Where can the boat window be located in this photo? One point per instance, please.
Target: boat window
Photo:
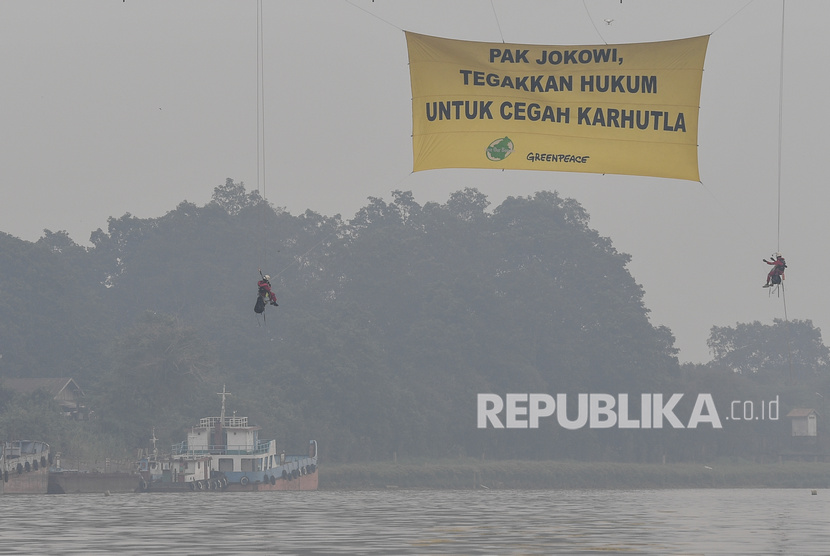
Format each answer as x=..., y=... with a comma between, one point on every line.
x=226, y=464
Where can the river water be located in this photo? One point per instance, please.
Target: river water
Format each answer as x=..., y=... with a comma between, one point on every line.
x=713, y=521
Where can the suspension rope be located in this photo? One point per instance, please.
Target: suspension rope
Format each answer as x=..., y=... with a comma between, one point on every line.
x=260, y=147
x=299, y=259
x=780, y=123
x=260, y=132
x=258, y=98
x=780, y=143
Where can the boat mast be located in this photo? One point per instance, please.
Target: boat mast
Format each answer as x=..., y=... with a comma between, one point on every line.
x=154, y=439
x=223, y=393
x=218, y=444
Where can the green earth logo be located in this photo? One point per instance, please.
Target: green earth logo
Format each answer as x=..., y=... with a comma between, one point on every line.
x=500, y=149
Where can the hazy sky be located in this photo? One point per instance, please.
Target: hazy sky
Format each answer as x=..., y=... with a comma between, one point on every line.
x=110, y=107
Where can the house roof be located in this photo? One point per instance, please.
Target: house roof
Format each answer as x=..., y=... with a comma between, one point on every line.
x=52, y=385
x=802, y=412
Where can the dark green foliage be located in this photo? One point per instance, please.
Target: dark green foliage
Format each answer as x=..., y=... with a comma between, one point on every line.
x=51, y=311
x=388, y=327
x=786, y=351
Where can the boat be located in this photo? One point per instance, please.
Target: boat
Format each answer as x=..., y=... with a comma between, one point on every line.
x=225, y=453
x=25, y=467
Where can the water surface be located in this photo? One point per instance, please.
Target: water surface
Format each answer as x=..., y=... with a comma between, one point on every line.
x=746, y=521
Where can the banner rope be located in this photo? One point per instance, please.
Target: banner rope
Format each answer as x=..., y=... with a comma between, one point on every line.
x=373, y=15
x=732, y=16
x=498, y=24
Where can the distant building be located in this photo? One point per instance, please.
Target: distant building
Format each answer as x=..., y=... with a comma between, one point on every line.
x=64, y=390
x=804, y=421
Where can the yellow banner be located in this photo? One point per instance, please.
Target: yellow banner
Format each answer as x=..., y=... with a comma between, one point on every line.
x=607, y=109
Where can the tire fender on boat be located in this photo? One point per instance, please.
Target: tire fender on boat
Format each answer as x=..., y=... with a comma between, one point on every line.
x=243, y=481
x=284, y=474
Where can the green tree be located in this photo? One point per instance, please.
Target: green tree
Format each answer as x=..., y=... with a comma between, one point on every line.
x=233, y=198
x=785, y=351
x=34, y=416
x=161, y=372
x=50, y=309
x=389, y=324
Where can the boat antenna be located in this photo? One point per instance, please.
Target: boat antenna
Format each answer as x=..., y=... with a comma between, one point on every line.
x=155, y=450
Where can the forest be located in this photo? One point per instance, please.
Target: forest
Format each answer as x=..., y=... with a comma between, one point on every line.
x=388, y=327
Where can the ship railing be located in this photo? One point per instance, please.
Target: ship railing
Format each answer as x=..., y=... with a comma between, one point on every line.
x=181, y=449
x=210, y=422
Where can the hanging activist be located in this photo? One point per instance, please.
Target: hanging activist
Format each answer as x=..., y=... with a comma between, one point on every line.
x=264, y=293
x=776, y=274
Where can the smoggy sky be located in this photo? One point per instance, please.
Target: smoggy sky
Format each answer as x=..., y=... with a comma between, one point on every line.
x=111, y=107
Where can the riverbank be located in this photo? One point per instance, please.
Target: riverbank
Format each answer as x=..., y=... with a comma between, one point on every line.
x=472, y=474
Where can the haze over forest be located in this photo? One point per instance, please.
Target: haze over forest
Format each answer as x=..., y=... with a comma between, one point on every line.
x=389, y=324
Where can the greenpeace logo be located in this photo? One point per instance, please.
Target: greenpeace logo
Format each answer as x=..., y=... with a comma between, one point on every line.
x=499, y=149
x=551, y=157
x=605, y=411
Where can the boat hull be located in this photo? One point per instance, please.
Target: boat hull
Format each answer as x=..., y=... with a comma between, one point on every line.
x=309, y=481
x=303, y=482
x=24, y=465
x=78, y=482
x=32, y=482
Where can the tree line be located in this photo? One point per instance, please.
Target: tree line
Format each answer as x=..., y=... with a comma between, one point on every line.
x=389, y=324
